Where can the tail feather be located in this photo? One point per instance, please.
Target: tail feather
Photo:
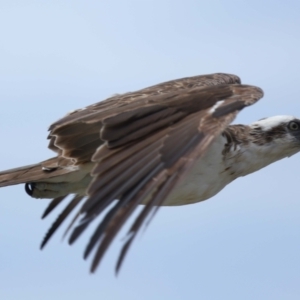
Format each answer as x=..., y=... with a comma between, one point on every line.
x=50, y=168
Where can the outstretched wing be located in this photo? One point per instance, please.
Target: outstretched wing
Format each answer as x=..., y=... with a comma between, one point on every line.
x=142, y=144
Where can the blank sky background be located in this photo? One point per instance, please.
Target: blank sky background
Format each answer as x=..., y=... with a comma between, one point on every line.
x=56, y=56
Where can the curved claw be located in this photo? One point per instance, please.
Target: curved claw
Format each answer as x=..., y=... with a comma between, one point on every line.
x=29, y=188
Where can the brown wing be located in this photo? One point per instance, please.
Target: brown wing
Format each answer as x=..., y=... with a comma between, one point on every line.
x=148, y=142
x=76, y=136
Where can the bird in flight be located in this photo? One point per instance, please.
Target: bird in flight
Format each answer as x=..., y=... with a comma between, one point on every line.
x=169, y=144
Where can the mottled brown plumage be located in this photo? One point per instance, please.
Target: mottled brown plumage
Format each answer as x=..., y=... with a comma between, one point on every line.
x=136, y=148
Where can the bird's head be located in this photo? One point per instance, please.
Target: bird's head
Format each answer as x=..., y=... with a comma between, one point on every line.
x=279, y=134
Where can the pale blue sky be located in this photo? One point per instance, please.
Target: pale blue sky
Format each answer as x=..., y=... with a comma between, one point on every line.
x=56, y=56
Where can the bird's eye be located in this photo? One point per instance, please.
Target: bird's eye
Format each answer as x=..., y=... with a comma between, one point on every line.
x=293, y=126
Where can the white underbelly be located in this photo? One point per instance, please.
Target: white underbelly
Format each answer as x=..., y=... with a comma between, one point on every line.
x=208, y=176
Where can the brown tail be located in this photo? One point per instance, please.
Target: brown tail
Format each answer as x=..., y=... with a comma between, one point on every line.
x=50, y=168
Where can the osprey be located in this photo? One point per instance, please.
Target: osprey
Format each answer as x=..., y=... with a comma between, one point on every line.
x=168, y=144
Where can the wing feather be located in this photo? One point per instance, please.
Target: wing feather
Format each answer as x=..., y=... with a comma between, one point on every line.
x=52, y=205
x=47, y=169
x=62, y=216
x=90, y=118
x=142, y=144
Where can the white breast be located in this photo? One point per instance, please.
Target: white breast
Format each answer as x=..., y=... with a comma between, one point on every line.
x=209, y=175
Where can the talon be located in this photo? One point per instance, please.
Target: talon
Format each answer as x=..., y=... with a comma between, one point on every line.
x=29, y=188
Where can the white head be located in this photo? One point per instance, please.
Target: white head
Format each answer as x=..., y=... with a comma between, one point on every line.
x=271, y=122
x=265, y=142
x=280, y=134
